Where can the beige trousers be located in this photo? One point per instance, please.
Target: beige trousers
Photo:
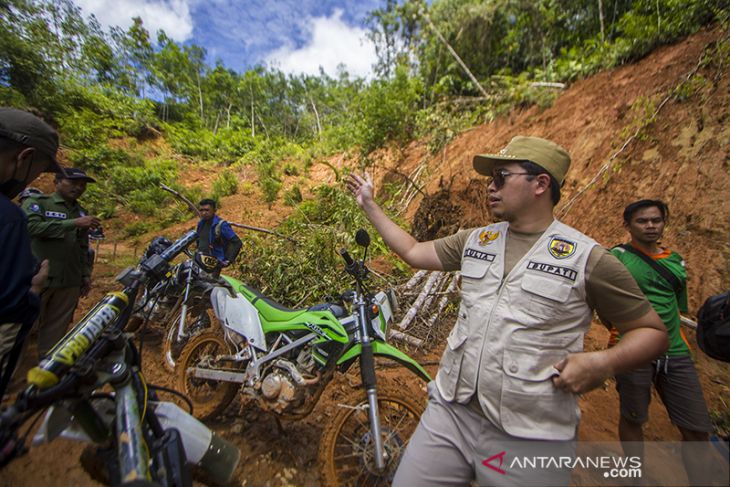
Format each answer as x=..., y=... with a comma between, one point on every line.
x=454, y=445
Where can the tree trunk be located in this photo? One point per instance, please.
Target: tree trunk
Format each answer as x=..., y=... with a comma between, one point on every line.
x=253, y=122
x=453, y=53
x=316, y=115
x=200, y=94
x=600, y=17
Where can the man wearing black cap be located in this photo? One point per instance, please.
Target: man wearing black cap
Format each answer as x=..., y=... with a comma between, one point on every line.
x=514, y=364
x=27, y=148
x=59, y=228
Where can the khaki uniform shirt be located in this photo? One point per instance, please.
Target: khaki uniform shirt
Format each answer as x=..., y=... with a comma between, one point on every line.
x=55, y=237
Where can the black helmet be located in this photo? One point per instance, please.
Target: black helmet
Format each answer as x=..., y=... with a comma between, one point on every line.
x=28, y=192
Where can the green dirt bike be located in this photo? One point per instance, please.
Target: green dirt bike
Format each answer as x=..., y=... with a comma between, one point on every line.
x=285, y=358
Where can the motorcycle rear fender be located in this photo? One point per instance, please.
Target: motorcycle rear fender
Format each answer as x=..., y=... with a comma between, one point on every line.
x=383, y=349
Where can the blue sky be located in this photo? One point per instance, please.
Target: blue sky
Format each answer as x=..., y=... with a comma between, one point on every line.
x=298, y=36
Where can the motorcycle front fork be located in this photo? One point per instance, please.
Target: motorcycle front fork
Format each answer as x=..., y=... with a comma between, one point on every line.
x=367, y=373
x=184, y=311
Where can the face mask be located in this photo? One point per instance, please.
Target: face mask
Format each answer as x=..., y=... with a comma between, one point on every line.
x=12, y=187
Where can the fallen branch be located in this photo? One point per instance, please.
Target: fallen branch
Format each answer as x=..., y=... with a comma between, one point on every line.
x=423, y=299
x=435, y=293
x=404, y=337
x=545, y=84
x=194, y=209
x=181, y=197
x=409, y=194
x=257, y=229
x=444, y=300
x=415, y=279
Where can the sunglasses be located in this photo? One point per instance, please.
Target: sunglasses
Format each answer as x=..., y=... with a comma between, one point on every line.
x=500, y=175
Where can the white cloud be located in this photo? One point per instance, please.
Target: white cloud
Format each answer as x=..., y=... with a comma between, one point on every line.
x=332, y=42
x=172, y=16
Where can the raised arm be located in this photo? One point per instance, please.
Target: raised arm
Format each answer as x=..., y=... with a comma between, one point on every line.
x=421, y=255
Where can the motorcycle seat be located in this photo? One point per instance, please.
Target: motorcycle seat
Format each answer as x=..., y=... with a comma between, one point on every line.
x=335, y=309
x=272, y=303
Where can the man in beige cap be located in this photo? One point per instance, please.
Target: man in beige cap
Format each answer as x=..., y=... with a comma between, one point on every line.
x=514, y=363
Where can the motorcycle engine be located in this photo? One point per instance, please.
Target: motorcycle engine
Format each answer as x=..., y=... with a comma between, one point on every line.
x=283, y=387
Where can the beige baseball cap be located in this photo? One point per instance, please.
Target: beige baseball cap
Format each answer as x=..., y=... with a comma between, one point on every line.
x=546, y=154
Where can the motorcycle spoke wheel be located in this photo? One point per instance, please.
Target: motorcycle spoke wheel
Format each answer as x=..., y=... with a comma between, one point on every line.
x=209, y=397
x=171, y=347
x=346, y=449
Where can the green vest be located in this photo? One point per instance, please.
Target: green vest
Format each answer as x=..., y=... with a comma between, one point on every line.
x=55, y=237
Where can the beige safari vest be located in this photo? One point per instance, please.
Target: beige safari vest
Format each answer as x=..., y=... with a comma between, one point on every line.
x=510, y=333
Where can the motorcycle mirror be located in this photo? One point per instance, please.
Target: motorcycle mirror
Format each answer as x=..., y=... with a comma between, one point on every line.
x=362, y=238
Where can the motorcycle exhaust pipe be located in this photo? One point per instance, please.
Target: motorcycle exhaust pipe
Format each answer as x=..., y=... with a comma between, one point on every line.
x=217, y=456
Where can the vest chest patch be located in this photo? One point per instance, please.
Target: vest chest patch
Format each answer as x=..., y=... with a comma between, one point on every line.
x=561, y=248
x=477, y=254
x=555, y=270
x=55, y=214
x=486, y=237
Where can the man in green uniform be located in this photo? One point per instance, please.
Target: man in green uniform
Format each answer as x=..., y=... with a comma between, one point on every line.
x=59, y=228
x=662, y=277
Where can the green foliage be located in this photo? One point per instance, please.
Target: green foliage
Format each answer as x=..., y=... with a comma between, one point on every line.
x=388, y=111
x=138, y=228
x=225, y=146
x=293, y=197
x=642, y=114
x=304, y=273
x=269, y=182
x=97, y=86
x=291, y=169
x=97, y=201
x=225, y=185
x=99, y=158
x=690, y=87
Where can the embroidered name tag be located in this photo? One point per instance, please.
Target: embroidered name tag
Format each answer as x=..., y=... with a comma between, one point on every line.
x=555, y=270
x=476, y=254
x=55, y=214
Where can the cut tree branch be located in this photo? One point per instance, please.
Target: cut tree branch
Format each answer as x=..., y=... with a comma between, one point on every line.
x=181, y=197
x=194, y=209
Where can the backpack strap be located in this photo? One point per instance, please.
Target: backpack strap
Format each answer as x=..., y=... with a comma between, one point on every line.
x=217, y=230
x=666, y=274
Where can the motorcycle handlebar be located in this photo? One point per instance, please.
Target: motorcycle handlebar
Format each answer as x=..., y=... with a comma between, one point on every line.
x=346, y=257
